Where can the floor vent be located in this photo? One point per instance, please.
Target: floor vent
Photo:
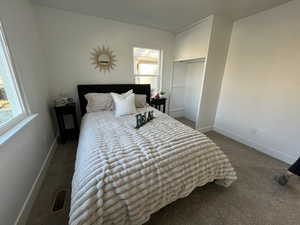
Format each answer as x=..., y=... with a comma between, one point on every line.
x=59, y=202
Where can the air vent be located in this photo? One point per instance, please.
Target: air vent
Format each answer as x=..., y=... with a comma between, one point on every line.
x=59, y=202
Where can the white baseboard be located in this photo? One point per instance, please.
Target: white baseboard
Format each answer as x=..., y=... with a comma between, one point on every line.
x=268, y=151
x=27, y=206
x=205, y=129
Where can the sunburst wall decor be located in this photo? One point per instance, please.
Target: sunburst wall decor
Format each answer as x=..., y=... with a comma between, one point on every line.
x=103, y=59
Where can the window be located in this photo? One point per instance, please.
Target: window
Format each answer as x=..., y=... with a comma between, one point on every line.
x=11, y=105
x=147, y=67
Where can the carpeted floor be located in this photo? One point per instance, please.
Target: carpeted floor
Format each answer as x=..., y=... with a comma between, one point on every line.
x=186, y=121
x=254, y=199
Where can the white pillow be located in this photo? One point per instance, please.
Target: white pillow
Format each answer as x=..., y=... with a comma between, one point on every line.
x=124, y=104
x=98, y=102
x=140, y=101
x=123, y=94
x=127, y=93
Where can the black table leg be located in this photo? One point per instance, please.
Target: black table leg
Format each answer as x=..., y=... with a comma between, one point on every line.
x=61, y=125
x=76, y=127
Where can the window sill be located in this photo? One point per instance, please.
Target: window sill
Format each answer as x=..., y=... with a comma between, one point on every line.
x=15, y=129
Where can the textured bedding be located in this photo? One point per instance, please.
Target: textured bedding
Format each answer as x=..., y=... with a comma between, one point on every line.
x=123, y=175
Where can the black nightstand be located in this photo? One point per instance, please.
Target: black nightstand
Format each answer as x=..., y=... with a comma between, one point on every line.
x=158, y=102
x=60, y=111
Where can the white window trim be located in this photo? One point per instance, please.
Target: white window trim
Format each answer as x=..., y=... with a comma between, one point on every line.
x=4, y=128
x=146, y=75
x=15, y=129
x=160, y=76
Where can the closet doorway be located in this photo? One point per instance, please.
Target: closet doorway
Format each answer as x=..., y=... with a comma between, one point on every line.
x=188, y=77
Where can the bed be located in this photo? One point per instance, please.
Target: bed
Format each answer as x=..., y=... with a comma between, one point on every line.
x=123, y=175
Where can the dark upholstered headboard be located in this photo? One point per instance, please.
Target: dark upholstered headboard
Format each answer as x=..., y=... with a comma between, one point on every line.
x=83, y=89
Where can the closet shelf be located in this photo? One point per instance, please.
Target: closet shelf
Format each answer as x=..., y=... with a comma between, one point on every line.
x=178, y=86
x=202, y=59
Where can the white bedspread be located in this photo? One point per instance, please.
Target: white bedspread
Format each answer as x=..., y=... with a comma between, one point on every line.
x=123, y=175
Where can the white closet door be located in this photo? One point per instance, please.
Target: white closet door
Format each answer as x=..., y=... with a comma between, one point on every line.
x=193, y=85
x=178, y=88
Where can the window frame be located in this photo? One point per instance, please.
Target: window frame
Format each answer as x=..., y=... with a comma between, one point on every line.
x=25, y=112
x=159, y=76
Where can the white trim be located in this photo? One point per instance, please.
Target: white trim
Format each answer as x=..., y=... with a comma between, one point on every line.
x=178, y=86
x=15, y=128
x=9, y=125
x=201, y=95
x=264, y=149
x=161, y=66
x=11, y=66
x=13, y=69
x=17, y=86
x=171, y=89
x=205, y=129
x=190, y=60
x=27, y=206
x=145, y=75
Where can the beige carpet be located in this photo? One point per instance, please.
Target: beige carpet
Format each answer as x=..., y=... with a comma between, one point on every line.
x=186, y=121
x=255, y=199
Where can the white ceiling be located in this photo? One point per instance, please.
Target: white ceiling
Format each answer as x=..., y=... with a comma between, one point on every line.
x=171, y=15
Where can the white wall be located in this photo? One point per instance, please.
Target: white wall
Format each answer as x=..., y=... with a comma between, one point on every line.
x=194, y=41
x=259, y=102
x=214, y=70
x=22, y=156
x=69, y=38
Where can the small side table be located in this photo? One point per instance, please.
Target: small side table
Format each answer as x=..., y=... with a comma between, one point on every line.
x=158, y=102
x=60, y=111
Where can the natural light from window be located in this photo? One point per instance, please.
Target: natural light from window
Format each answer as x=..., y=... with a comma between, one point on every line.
x=147, y=67
x=11, y=107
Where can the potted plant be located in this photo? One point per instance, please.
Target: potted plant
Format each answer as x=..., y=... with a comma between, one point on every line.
x=162, y=94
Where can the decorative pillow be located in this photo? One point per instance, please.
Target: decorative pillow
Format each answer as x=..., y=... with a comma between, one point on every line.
x=123, y=94
x=140, y=101
x=124, y=104
x=98, y=102
x=127, y=93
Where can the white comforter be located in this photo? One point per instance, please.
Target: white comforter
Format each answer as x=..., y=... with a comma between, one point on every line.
x=123, y=175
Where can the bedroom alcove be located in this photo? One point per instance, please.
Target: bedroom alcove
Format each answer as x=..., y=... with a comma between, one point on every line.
x=187, y=83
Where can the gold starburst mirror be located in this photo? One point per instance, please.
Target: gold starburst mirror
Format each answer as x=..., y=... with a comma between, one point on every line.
x=103, y=59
